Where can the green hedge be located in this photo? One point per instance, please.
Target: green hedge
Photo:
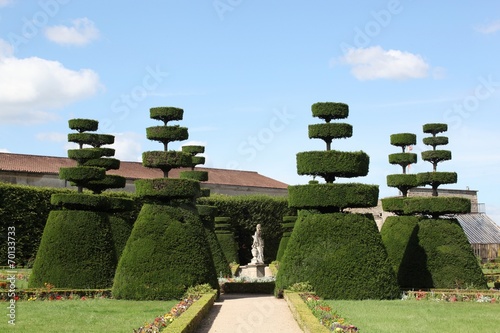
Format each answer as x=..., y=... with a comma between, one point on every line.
x=165, y=160
x=403, y=139
x=435, y=128
x=80, y=201
x=193, y=150
x=434, y=206
x=332, y=163
x=201, y=176
x=81, y=174
x=248, y=288
x=245, y=212
x=166, y=253
x=330, y=110
x=106, y=163
x=436, y=156
x=167, y=187
x=83, y=125
x=435, y=141
x=93, y=139
x=76, y=251
x=402, y=180
x=330, y=131
x=341, y=255
x=437, y=178
x=403, y=159
x=108, y=182
x=335, y=196
x=166, y=114
x=287, y=227
x=167, y=134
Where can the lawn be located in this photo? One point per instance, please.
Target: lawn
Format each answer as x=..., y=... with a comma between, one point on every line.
x=77, y=316
x=419, y=316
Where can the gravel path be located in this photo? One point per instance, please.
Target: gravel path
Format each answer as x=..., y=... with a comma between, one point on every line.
x=247, y=313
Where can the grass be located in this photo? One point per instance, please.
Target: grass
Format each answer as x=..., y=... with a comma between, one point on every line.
x=89, y=316
x=373, y=316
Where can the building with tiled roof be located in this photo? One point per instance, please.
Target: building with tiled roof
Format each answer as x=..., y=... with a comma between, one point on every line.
x=44, y=171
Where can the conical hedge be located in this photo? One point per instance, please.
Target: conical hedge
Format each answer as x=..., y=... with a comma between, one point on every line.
x=78, y=249
x=340, y=254
x=225, y=235
x=287, y=226
x=426, y=245
x=167, y=251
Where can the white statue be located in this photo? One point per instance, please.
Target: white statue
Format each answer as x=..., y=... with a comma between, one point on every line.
x=257, y=247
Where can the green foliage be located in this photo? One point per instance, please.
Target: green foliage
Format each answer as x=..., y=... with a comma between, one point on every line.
x=108, y=182
x=83, y=155
x=402, y=181
x=437, y=178
x=166, y=134
x=435, y=128
x=403, y=159
x=330, y=131
x=301, y=287
x=167, y=187
x=166, y=114
x=244, y=213
x=76, y=251
x=341, y=255
x=165, y=254
x=226, y=238
x=106, y=163
x=436, y=156
x=83, y=125
x=435, y=141
x=193, y=150
x=81, y=175
x=332, y=196
x=80, y=201
x=403, y=139
x=249, y=288
x=449, y=257
x=332, y=163
x=201, y=176
x=330, y=110
x=434, y=206
x=93, y=139
x=165, y=160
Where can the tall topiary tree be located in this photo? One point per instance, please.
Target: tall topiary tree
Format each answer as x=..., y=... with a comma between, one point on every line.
x=426, y=245
x=225, y=235
x=167, y=250
x=77, y=248
x=287, y=227
x=340, y=254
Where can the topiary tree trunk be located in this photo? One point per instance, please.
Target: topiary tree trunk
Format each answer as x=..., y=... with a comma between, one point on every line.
x=340, y=254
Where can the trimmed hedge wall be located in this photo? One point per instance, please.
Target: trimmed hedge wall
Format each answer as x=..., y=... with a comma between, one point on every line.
x=338, y=267
x=76, y=251
x=165, y=254
x=245, y=212
x=326, y=196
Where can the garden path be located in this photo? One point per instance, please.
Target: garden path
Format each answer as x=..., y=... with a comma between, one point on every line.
x=248, y=313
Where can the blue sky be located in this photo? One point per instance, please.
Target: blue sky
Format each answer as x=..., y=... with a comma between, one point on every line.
x=246, y=74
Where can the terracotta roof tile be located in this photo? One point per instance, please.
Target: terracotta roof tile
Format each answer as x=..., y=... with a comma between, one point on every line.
x=134, y=170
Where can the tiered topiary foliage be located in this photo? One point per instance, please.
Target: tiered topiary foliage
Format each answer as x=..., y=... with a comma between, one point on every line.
x=427, y=251
x=403, y=181
x=77, y=249
x=167, y=250
x=340, y=254
x=287, y=226
x=225, y=235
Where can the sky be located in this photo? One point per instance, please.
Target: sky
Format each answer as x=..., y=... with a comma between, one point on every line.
x=246, y=74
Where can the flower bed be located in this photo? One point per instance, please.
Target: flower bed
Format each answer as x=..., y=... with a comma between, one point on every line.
x=457, y=295
x=326, y=315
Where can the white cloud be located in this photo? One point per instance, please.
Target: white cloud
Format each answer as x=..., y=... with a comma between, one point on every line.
x=4, y=150
x=376, y=63
x=82, y=32
x=489, y=28
x=30, y=88
x=6, y=49
x=127, y=146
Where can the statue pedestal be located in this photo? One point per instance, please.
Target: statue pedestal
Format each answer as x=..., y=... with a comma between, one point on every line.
x=254, y=271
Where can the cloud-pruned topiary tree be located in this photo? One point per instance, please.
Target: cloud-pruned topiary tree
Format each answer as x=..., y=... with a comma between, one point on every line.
x=287, y=227
x=77, y=249
x=340, y=254
x=404, y=181
x=425, y=244
x=167, y=250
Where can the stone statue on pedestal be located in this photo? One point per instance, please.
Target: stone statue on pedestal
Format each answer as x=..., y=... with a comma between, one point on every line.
x=258, y=247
